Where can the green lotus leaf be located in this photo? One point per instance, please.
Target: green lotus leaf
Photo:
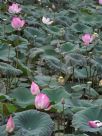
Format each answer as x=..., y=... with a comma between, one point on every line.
x=34, y=123
x=78, y=27
x=73, y=105
x=30, y=32
x=31, y=123
x=49, y=50
x=98, y=49
x=4, y=52
x=54, y=30
x=22, y=96
x=25, y=70
x=9, y=70
x=85, y=50
x=34, y=52
x=80, y=119
x=74, y=59
x=17, y=40
x=84, y=88
x=98, y=102
x=88, y=19
x=44, y=81
x=56, y=94
x=2, y=130
x=8, y=28
x=68, y=47
x=55, y=63
x=85, y=72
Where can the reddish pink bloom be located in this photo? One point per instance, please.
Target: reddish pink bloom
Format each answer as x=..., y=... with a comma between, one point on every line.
x=34, y=89
x=10, y=126
x=87, y=39
x=14, y=8
x=92, y=124
x=17, y=23
x=42, y=101
x=100, y=1
x=95, y=123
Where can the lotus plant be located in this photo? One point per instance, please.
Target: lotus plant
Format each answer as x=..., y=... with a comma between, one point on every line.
x=14, y=8
x=46, y=20
x=87, y=39
x=42, y=101
x=34, y=89
x=17, y=23
x=10, y=126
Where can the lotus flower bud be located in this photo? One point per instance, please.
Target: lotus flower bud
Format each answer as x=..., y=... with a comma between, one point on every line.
x=34, y=89
x=42, y=101
x=10, y=126
x=63, y=101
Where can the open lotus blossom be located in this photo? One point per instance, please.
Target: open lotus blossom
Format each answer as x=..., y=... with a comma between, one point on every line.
x=10, y=126
x=14, y=8
x=17, y=23
x=100, y=1
x=46, y=21
x=42, y=101
x=87, y=39
x=34, y=89
x=95, y=124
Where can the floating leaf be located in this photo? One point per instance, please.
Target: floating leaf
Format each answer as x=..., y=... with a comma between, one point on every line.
x=22, y=96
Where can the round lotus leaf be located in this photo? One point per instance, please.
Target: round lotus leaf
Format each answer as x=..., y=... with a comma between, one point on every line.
x=34, y=123
x=30, y=123
x=80, y=119
x=22, y=96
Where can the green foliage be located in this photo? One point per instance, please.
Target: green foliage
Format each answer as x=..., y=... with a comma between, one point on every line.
x=59, y=94
x=22, y=96
x=31, y=123
x=9, y=70
x=55, y=57
x=80, y=120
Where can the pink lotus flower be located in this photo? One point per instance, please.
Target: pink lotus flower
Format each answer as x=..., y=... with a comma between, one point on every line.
x=92, y=124
x=10, y=126
x=34, y=89
x=95, y=124
x=42, y=101
x=14, y=8
x=87, y=39
x=100, y=1
x=17, y=23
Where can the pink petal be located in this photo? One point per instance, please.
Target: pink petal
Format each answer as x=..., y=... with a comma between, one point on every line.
x=14, y=8
x=17, y=23
x=35, y=89
x=100, y=1
x=42, y=101
x=10, y=126
x=87, y=39
x=92, y=124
